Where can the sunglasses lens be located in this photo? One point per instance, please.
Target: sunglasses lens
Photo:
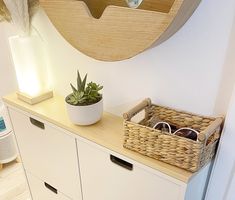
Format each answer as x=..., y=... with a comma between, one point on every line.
x=162, y=127
x=187, y=133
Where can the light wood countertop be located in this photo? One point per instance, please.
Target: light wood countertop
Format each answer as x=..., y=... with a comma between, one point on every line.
x=107, y=133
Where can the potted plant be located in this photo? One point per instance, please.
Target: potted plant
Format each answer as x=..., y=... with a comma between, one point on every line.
x=85, y=103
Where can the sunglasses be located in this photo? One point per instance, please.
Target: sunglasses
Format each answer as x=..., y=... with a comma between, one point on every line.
x=183, y=132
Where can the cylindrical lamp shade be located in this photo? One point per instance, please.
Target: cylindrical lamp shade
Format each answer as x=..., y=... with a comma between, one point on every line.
x=30, y=64
x=8, y=151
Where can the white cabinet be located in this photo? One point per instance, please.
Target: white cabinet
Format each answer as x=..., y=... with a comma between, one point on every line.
x=107, y=177
x=41, y=190
x=48, y=153
x=76, y=165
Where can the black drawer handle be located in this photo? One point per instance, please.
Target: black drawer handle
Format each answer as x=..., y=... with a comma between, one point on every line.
x=121, y=162
x=37, y=123
x=50, y=188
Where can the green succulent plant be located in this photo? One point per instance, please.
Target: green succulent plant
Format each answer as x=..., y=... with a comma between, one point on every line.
x=84, y=94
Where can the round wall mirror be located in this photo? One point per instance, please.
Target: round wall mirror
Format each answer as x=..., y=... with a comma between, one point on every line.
x=110, y=30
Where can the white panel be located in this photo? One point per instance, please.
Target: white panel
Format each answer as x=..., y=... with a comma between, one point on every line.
x=105, y=180
x=197, y=186
x=40, y=192
x=8, y=150
x=231, y=186
x=223, y=167
x=48, y=154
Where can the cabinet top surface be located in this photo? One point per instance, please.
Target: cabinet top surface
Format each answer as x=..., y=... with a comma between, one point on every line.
x=108, y=132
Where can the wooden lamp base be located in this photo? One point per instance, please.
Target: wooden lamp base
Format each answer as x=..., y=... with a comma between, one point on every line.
x=35, y=99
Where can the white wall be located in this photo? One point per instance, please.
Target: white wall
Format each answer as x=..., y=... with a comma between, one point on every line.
x=7, y=73
x=222, y=179
x=227, y=75
x=184, y=72
x=222, y=182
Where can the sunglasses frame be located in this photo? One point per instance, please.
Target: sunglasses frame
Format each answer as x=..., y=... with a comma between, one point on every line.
x=163, y=123
x=183, y=128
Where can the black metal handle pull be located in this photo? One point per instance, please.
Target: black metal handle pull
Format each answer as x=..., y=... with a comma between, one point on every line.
x=37, y=123
x=50, y=188
x=121, y=162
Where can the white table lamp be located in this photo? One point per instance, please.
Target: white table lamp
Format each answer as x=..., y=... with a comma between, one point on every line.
x=31, y=68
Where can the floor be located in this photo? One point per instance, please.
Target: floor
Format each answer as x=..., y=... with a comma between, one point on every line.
x=12, y=183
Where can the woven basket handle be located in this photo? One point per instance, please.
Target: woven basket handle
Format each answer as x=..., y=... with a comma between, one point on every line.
x=131, y=113
x=204, y=136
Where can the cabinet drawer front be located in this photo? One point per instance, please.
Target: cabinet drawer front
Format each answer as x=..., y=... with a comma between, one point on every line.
x=41, y=190
x=47, y=153
x=112, y=178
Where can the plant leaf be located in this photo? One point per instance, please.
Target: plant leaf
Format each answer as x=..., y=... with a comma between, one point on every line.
x=81, y=94
x=83, y=85
x=73, y=88
x=99, y=88
x=79, y=81
x=85, y=94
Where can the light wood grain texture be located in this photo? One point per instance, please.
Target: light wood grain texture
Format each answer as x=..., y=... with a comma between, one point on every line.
x=5, y=165
x=24, y=196
x=108, y=132
x=97, y=7
x=18, y=159
x=210, y=130
x=120, y=32
x=13, y=184
x=36, y=99
x=138, y=108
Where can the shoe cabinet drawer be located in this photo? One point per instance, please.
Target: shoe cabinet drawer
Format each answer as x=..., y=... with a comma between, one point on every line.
x=112, y=178
x=47, y=153
x=41, y=190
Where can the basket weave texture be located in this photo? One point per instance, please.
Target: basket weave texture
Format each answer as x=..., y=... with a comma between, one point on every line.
x=175, y=150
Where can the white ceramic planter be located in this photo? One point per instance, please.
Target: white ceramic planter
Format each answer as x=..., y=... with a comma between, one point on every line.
x=85, y=115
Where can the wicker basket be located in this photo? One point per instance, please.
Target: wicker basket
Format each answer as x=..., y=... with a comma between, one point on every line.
x=175, y=150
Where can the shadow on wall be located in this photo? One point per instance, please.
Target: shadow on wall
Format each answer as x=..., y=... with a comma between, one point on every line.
x=227, y=81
